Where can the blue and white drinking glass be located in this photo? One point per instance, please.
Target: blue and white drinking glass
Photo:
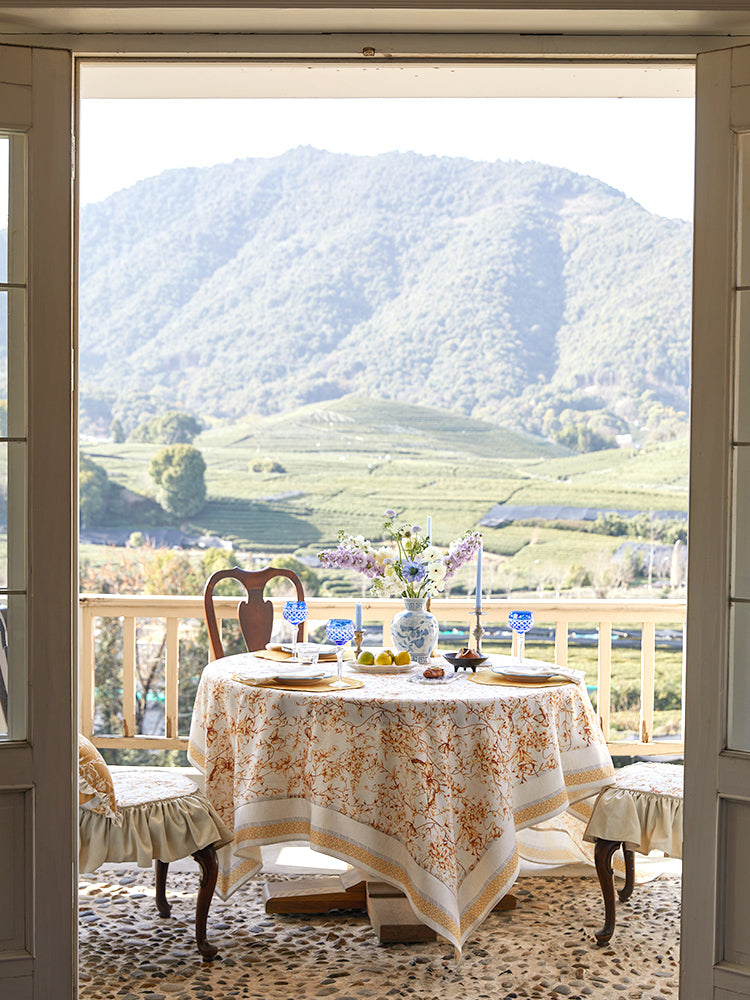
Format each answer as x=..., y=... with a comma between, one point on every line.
x=520, y=622
x=295, y=612
x=339, y=631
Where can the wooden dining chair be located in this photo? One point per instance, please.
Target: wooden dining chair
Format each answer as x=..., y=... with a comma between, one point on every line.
x=255, y=614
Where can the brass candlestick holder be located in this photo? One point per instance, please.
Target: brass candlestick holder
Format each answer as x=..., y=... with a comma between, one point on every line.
x=358, y=634
x=478, y=631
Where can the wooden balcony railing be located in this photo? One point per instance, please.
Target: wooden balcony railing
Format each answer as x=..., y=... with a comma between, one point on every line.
x=599, y=615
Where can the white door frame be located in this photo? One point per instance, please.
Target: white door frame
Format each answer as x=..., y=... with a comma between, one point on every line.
x=38, y=812
x=484, y=49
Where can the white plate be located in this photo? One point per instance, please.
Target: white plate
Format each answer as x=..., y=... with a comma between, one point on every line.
x=519, y=670
x=286, y=647
x=380, y=668
x=300, y=678
x=419, y=679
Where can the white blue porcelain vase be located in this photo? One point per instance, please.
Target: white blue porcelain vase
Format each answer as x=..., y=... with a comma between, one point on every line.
x=415, y=630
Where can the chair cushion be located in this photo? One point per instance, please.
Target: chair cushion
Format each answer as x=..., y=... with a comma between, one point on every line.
x=164, y=816
x=642, y=809
x=95, y=786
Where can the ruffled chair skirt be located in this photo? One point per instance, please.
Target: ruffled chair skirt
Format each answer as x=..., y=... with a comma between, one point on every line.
x=164, y=816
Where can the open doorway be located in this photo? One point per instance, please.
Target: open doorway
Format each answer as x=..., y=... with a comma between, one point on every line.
x=332, y=417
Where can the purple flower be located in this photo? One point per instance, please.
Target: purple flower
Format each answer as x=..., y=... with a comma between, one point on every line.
x=390, y=513
x=413, y=571
x=461, y=551
x=416, y=529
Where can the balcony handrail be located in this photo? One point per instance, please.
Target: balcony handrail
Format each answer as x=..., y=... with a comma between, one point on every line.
x=603, y=613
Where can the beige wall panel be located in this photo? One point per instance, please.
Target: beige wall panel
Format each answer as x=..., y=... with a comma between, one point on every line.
x=18, y=989
x=740, y=586
x=13, y=871
x=743, y=214
x=742, y=361
x=740, y=74
x=15, y=102
x=740, y=102
x=15, y=64
x=738, y=735
x=736, y=824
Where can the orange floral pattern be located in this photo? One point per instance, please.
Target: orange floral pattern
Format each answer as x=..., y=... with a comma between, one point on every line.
x=423, y=786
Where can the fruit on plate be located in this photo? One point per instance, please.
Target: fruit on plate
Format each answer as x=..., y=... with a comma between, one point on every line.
x=402, y=658
x=431, y=673
x=384, y=659
x=468, y=654
x=366, y=657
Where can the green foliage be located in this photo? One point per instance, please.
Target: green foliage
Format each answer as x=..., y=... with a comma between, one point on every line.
x=581, y=438
x=168, y=428
x=116, y=431
x=309, y=577
x=522, y=294
x=642, y=526
x=267, y=465
x=93, y=489
x=155, y=571
x=179, y=474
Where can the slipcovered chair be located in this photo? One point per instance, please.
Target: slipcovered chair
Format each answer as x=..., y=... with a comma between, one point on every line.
x=254, y=614
x=147, y=814
x=641, y=811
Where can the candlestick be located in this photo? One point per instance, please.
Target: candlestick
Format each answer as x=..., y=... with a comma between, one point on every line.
x=358, y=616
x=478, y=631
x=429, y=529
x=479, y=579
x=357, y=642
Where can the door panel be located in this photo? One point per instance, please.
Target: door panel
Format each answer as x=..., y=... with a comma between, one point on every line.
x=38, y=814
x=715, y=954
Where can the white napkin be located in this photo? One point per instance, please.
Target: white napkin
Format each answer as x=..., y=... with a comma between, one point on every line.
x=532, y=668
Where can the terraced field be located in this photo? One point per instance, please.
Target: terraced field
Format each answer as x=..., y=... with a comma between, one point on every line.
x=346, y=461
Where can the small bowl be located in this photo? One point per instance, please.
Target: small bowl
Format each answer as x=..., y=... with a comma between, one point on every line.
x=465, y=662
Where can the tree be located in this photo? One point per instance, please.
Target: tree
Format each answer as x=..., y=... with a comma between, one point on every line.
x=116, y=431
x=152, y=571
x=179, y=474
x=169, y=428
x=93, y=489
x=308, y=577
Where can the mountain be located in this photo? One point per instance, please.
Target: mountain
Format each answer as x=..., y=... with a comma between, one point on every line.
x=518, y=293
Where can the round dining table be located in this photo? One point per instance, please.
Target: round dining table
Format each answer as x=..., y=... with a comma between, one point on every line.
x=422, y=785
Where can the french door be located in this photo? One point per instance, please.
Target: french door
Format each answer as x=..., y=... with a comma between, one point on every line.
x=38, y=604
x=715, y=959
x=37, y=578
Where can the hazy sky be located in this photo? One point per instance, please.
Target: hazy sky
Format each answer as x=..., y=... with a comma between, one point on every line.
x=643, y=147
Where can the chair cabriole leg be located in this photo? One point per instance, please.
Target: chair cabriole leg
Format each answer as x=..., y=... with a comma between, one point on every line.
x=209, y=866
x=160, y=877
x=603, y=852
x=627, y=890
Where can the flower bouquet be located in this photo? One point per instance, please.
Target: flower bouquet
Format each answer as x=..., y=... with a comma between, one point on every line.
x=407, y=565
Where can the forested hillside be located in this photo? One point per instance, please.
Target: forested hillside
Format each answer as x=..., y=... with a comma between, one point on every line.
x=518, y=293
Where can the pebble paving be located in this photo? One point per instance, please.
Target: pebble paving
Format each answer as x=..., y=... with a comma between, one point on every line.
x=543, y=950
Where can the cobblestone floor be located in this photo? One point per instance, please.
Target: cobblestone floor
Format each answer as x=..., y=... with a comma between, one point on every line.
x=543, y=949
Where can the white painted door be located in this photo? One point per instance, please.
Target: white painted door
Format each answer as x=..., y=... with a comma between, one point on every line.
x=38, y=814
x=715, y=956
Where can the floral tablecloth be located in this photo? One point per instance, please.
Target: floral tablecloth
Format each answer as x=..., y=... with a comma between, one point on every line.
x=422, y=786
